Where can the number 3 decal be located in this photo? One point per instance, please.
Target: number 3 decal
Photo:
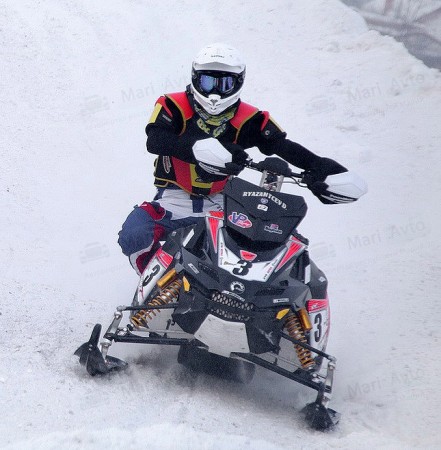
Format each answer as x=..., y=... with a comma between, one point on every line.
x=318, y=322
x=243, y=269
x=149, y=276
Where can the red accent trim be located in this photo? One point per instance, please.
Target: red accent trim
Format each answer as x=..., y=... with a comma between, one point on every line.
x=266, y=115
x=181, y=99
x=155, y=213
x=217, y=214
x=182, y=173
x=295, y=246
x=315, y=305
x=161, y=101
x=244, y=112
x=158, y=232
x=140, y=262
x=213, y=224
x=183, y=177
x=164, y=258
x=145, y=257
x=218, y=186
x=247, y=256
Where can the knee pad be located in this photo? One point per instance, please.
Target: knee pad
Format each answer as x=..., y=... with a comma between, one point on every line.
x=139, y=232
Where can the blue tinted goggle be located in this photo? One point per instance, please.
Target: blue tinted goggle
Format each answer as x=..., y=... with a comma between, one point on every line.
x=223, y=84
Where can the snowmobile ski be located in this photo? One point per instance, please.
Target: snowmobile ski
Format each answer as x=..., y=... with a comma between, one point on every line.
x=92, y=358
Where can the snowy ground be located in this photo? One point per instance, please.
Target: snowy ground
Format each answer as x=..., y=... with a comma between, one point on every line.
x=78, y=83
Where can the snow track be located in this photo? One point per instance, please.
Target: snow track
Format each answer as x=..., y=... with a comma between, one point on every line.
x=78, y=84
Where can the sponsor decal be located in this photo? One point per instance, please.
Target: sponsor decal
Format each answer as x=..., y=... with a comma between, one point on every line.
x=266, y=195
x=317, y=305
x=233, y=294
x=165, y=117
x=239, y=219
x=262, y=207
x=237, y=286
x=273, y=228
x=281, y=300
x=264, y=200
x=211, y=169
x=247, y=256
x=193, y=268
x=166, y=163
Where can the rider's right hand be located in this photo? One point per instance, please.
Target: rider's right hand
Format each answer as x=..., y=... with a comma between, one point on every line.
x=239, y=158
x=216, y=160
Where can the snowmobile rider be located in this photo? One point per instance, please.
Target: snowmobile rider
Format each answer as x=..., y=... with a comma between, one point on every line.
x=210, y=107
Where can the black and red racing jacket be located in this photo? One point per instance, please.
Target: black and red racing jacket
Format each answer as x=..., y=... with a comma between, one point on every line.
x=177, y=123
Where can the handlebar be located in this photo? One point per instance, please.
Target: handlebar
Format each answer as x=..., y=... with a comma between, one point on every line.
x=275, y=166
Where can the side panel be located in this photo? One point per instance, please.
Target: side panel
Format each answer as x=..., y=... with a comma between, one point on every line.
x=152, y=273
x=162, y=260
x=318, y=310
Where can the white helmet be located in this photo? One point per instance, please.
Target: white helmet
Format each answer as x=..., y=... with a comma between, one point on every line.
x=217, y=77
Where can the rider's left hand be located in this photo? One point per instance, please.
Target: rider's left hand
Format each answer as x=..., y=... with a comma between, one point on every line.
x=315, y=178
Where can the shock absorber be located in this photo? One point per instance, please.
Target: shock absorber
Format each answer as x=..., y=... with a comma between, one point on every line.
x=168, y=294
x=294, y=328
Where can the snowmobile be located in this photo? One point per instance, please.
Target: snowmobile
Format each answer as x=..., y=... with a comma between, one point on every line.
x=235, y=291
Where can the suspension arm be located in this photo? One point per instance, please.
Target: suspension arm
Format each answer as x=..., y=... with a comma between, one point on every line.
x=318, y=386
x=308, y=347
x=146, y=307
x=134, y=339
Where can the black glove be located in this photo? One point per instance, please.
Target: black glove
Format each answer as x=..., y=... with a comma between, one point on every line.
x=276, y=165
x=210, y=173
x=239, y=158
x=315, y=178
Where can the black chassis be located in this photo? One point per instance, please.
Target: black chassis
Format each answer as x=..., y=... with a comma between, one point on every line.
x=192, y=310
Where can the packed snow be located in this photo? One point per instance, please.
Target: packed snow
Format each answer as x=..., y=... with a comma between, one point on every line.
x=78, y=84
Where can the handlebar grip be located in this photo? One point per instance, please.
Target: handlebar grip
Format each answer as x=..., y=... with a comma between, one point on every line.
x=274, y=165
